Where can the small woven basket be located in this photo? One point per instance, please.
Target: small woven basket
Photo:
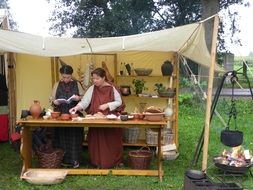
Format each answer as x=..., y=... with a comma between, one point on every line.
x=131, y=135
x=170, y=155
x=152, y=137
x=50, y=158
x=140, y=159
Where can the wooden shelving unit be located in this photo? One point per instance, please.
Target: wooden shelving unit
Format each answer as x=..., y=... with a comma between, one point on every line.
x=152, y=79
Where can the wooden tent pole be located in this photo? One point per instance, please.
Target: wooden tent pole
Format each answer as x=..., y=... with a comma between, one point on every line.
x=209, y=93
x=12, y=92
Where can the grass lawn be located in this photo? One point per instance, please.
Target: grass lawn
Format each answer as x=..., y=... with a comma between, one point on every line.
x=191, y=121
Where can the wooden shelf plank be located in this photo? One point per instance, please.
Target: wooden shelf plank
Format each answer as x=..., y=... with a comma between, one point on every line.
x=140, y=142
x=126, y=172
x=135, y=96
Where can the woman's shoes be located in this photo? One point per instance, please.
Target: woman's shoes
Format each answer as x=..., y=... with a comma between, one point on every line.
x=120, y=165
x=66, y=165
x=76, y=164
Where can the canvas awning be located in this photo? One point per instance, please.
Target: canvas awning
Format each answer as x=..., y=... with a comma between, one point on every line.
x=187, y=40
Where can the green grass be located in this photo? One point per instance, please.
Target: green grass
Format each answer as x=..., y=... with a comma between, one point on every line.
x=191, y=121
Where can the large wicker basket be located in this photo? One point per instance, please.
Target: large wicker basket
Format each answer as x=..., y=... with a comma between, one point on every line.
x=50, y=158
x=131, y=135
x=152, y=137
x=140, y=159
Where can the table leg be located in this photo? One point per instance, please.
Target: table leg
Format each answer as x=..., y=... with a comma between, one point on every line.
x=26, y=149
x=159, y=156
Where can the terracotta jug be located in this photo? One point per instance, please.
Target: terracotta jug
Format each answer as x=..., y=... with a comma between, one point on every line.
x=35, y=109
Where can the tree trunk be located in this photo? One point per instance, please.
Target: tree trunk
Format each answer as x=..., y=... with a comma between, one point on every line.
x=209, y=8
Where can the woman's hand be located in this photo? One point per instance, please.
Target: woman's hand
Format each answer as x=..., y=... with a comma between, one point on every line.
x=55, y=102
x=76, y=98
x=74, y=110
x=103, y=107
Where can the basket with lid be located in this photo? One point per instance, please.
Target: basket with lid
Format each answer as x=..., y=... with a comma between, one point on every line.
x=131, y=135
x=167, y=136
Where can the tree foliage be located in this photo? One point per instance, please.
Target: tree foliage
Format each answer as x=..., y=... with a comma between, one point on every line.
x=100, y=18
x=4, y=4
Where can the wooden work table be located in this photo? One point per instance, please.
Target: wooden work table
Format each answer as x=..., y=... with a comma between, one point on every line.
x=26, y=144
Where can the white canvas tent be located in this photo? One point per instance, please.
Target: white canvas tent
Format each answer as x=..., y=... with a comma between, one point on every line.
x=187, y=41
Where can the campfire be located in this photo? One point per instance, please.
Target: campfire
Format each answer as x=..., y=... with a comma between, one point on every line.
x=236, y=160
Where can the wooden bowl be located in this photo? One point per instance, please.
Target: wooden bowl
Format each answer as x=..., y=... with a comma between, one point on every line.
x=40, y=177
x=143, y=71
x=55, y=114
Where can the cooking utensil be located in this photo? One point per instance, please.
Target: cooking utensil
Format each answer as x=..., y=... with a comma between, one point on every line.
x=195, y=174
x=231, y=138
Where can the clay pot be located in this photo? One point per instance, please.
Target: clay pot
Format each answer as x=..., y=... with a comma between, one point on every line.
x=167, y=68
x=125, y=90
x=136, y=116
x=65, y=116
x=35, y=109
x=73, y=115
x=55, y=114
x=124, y=117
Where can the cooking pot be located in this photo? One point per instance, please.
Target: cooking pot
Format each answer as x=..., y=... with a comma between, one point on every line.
x=231, y=138
x=125, y=90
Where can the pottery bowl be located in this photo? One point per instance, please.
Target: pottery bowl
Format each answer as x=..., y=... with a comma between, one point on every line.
x=143, y=71
x=65, y=116
x=135, y=116
x=154, y=116
x=74, y=115
x=55, y=114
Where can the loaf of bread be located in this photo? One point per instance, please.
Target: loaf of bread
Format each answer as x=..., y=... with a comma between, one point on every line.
x=153, y=109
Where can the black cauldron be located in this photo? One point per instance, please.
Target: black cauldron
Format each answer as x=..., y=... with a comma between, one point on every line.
x=231, y=138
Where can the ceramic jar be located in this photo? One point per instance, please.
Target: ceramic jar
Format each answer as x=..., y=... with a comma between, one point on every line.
x=35, y=109
x=167, y=68
x=125, y=90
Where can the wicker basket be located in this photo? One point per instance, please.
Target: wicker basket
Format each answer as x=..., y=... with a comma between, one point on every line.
x=50, y=158
x=170, y=155
x=140, y=159
x=131, y=135
x=152, y=137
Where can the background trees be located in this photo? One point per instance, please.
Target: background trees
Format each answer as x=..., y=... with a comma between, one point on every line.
x=100, y=18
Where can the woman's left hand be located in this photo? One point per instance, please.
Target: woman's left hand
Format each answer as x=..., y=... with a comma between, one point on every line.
x=76, y=98
x=103, y=107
